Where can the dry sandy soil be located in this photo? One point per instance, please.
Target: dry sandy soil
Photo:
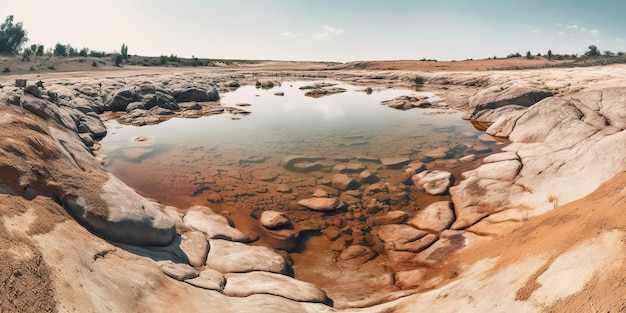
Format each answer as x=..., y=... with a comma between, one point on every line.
x=569, y=259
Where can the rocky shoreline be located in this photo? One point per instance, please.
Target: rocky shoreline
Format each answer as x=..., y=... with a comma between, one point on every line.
x=566, y=134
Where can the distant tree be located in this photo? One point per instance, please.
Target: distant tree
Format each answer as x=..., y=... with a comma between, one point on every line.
x=549, y=55
x=12, y=36
x=529, y=55
x=117, y=58
x=609, y=53
x=593, y=51
x=60, y=50
x=124, y=52
x=40, y=50
x=71, y=51
x=84, y=52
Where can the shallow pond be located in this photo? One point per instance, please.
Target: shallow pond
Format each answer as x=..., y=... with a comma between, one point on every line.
x=235, y=163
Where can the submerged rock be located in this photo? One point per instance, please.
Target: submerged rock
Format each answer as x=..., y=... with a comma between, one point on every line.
x=321, y=204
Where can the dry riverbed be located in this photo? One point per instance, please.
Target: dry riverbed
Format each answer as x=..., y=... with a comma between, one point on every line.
x=507, y=232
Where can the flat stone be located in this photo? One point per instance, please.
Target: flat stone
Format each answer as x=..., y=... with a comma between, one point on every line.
x=503, y=170
x=410, y=278
x=391, y=217
x=357, y=254
x=321, y=204
x=215, y=226
x=235, y=257
x=246, y=284
x=395, y=162
x=343, y=182
x=283, y=188
x=439, y=153
x=195, y=245
x=435, y=217
x=208, y=279
x=367, y=177
x=178, y=271
x=404, y=238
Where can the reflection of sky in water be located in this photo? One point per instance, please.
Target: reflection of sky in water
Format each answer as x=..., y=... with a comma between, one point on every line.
x=292, y=118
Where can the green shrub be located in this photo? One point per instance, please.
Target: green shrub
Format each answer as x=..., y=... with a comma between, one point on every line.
x=419, y=80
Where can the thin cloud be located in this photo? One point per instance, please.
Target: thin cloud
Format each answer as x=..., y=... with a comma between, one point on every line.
x=536, y=31
x=593, y=32
x=290, y=34
x=328, y=33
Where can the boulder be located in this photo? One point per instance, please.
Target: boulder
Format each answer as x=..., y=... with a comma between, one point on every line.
x=195, y=94
x=178, y=271
x=215, y=226
x=435, y=217
x=147, y=94
x=235, y=257
x=33, y=90
x=343, y=182
x=274, y=220
x=246, y=284
x=407, y=102
x=321, y=204
x=434, y=183
x=208, y=279
x=123, y=216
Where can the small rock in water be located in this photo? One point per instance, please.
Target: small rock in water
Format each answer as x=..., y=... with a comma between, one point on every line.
x=343, y=182
x=321, y=204
x=395, y=162
x=283, y=188
x=274, y=220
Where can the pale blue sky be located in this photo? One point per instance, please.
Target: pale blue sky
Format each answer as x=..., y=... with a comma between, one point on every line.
x=325, y=30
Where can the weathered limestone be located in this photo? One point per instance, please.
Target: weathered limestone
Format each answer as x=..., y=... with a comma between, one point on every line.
x=435, y=217
x=234, y=257
x=215, y=226
x=127, y=217
x=246, y=284
x=434, y=183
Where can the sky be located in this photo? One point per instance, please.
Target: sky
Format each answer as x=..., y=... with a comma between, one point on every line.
x=325, y=30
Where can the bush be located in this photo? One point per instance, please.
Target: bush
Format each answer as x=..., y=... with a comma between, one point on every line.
x=94, y=64
x=419, y=80
x=12, y=36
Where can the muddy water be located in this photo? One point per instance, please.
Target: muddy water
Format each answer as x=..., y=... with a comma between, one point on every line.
x=234, y=164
